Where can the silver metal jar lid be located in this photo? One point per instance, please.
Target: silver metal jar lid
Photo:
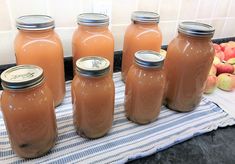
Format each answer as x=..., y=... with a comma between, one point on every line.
x=93, y=66
x=35, y=22
x=145, y=16
x=21, y=77
x=196, y=29
x=149, y=59
x=93, y=19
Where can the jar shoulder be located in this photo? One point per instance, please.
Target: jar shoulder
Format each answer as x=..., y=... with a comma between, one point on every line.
x=28, y=39
x=15, y=99
x=186, y=45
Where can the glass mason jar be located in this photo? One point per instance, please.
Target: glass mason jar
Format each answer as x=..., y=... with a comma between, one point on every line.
x=28, y=111
x=36, y=43
x=93, y=97
x=188, y=61
x=142, y=34
x=92, y=37
x=145, y=86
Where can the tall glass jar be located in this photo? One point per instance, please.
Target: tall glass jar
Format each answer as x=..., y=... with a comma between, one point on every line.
x=188, y=61
x=28, y=111
x=36, y=43
x=142, y=34
x=145, y=86
x=93, y=97
x=92, y=37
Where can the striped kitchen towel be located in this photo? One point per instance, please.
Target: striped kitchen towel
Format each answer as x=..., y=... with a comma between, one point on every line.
x=126, y=140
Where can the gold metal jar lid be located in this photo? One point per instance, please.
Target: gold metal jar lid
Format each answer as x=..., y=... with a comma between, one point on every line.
x=145, y=16
x=93, y=19
x=93, y=66
x=149, y=59
x=21, y=77
x=35, y=22
x=196, y=29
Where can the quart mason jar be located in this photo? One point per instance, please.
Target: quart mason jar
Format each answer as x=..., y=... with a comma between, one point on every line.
x=142, y=34
x=93, y=97
x=37, y=43
x=93, y=37
x=28, y=111
x=188, y=61
x=145, y=86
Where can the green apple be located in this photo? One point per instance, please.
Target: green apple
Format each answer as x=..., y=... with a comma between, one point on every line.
x=226, y=82
x=216, y=60
x=231, y=61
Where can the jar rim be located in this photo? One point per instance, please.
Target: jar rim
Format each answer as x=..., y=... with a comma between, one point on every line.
x=21, y=77
x=149, y=59
x=196, y=29
x=35, y=22
x=145, y=17
x=93, y=19
x=92, y=66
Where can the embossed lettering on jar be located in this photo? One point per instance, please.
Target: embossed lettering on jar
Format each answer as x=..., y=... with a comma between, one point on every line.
x=93, y=97
x=145, y=85
x=188, y=61
x=92, y=37
x=36, y=43
x=28, y=111
x=142, y=34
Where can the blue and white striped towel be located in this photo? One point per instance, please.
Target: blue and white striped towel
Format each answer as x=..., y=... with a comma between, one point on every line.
x=126, y=140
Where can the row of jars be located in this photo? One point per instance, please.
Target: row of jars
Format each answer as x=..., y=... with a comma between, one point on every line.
x=28, y=106
x=180, y=82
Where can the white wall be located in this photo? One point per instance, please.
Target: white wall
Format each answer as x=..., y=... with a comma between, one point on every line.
x=219, y=13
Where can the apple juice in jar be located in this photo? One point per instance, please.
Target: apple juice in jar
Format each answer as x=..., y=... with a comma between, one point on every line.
x=36, y=43
x=142, y=34
x=145, y=85
x=188, y=61
x=28, y=111
x=93, y=97
x=93, y=37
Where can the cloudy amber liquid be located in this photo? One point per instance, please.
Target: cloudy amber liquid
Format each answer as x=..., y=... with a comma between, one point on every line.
x=93, y=105
x=93, y=41
x=44, y=49
x=144, y=93
x=139, y=36
x=187, y=65
x=30, y=120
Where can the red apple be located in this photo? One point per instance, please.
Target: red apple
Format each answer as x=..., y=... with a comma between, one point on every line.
x=226, y=82
x=213, y=70
x=220, y=55
x=223, y=46
x=232, y=62
x=229, y=52
x=224, y=68
x=211, y=84
x=217, y=47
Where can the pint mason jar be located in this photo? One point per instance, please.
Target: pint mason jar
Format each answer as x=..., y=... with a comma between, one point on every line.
x=188, y=61
x=28, y=111
x=37, y=43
